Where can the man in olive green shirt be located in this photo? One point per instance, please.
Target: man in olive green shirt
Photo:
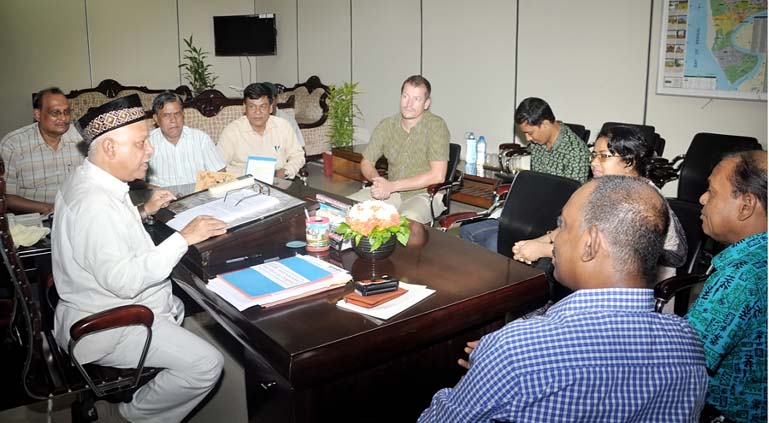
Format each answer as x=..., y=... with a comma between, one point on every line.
x=416, y=145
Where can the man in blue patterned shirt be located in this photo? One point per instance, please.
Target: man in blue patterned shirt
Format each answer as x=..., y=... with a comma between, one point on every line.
x=601, y=354
x=730, y=313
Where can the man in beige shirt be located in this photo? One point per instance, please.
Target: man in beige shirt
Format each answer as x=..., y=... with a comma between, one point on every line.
x=260, y=134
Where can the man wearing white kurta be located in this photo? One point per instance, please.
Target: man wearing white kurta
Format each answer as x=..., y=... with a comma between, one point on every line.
x=258, y=133
x=103, y=258
x=180, y=151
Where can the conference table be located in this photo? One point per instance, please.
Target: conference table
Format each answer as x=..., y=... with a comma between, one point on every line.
x=309, y=361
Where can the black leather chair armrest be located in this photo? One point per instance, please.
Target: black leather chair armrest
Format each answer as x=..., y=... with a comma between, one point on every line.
x=665, y=290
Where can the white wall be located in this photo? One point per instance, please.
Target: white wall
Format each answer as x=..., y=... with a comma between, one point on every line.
x=588, y=59
x=39, y=51
x=472, y=89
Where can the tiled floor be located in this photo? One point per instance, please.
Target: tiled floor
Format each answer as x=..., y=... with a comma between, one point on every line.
x=230, y=399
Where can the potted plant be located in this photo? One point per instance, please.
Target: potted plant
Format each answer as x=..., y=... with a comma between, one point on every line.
x=374, y=227
x=196, y=71
x=342, y=111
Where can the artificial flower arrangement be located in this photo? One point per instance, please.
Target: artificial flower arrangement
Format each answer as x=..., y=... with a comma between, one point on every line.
x=376, y=220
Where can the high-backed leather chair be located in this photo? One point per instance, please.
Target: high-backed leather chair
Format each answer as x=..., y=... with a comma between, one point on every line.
x=450, y=184
x=703, y=154
x=580, y=130
x=47, y=370
x=533, y=205
x=653, y=138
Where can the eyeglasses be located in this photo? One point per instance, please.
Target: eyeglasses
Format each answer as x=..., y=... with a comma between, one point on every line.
x=57, y=113
x=601, y=156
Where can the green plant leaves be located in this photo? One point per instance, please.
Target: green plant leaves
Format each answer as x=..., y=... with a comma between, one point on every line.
x=342, y=111
x=197, y=71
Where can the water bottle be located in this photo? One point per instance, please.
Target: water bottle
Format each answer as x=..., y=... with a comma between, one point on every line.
x=481, y=151
x=470, y=148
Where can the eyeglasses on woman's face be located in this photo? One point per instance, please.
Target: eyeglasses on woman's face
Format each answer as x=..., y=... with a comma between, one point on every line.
x=602, y=156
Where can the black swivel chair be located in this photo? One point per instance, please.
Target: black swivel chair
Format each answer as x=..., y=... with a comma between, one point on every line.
x=450, y=184
x=580, y=130
x=533, y=205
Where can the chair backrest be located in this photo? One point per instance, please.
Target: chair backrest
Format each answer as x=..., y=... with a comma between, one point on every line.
x=688, y=214
x=454, y=152
x=533, y=205
x=580, y=130
x=703, y=154
x=655, y=141
x=451, y=170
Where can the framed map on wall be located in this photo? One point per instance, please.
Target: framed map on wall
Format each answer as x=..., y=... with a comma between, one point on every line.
x=714, y=49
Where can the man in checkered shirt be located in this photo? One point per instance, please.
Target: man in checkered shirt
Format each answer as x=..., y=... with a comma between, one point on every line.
x=39, y=156
x=601, y=354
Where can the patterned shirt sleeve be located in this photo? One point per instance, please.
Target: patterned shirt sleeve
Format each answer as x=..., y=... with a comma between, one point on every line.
x=722, y=312
x=439, y=140
x=375, y=148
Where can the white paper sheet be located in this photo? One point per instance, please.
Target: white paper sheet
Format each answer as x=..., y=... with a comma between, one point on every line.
x=414, y=294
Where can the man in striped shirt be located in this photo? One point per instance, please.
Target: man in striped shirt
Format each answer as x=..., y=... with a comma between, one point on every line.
x=601, y=354
x=180, y=151
x=39, y=156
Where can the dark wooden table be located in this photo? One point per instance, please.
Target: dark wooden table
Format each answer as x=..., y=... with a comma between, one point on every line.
x=310, y=361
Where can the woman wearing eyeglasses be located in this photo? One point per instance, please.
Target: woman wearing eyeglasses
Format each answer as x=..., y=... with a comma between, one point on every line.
x=623, y=151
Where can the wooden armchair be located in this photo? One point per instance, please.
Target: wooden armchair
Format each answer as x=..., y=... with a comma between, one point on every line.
x=47, y=371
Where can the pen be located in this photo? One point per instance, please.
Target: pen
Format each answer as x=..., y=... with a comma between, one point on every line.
x=237, y=259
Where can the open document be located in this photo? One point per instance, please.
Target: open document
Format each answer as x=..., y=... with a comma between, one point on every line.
x=235, y=205
x=278, y=282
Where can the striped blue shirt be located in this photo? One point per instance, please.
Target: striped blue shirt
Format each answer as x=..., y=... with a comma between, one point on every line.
x=599, y=355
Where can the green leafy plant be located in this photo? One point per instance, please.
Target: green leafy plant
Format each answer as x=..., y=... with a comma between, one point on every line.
x=196, y=71
x=342, y=111
x=376, y=220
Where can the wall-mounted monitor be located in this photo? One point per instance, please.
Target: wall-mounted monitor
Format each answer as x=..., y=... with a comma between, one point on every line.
x=245, y=35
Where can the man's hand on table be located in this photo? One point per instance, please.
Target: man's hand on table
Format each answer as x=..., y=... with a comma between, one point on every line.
x=201, y=228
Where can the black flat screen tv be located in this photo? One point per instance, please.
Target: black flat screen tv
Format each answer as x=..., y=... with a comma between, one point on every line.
x=245, y=35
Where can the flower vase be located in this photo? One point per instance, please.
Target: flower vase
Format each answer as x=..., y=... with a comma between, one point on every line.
x=363, y=249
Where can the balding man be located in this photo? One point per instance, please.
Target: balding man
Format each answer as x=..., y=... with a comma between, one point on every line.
x=38, y=157
x=601, y=354
x=730, y=313
x=103, y=258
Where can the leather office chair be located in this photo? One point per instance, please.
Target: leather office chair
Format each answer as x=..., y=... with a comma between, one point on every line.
x=533, y=205
x=703, y=154
x=47, y=371
x=580, y=130
x=653, y=138
x=450, y=184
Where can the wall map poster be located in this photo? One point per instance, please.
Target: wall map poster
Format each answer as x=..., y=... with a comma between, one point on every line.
x=714, y=48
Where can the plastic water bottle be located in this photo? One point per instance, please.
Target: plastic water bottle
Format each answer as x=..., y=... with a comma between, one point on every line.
x=470, y=148
x=481, y=150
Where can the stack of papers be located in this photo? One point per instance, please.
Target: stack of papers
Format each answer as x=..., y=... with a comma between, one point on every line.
x=277, y=282
x=414, y=294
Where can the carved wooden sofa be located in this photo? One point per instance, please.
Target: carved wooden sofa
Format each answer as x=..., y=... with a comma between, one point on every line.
x=81, y=100
x=210, y=111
